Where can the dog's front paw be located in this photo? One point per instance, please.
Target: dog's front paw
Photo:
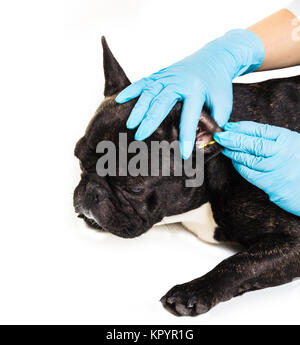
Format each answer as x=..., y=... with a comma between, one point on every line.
x=189, y=299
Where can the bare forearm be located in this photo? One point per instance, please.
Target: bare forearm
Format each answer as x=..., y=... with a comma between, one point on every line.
x=280, y=35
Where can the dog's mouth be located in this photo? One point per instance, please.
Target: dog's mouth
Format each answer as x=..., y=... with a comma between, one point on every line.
x=91, y=222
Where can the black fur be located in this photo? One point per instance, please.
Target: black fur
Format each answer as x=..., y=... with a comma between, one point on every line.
x=129, y=206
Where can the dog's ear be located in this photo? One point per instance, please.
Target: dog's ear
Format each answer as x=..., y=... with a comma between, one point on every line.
x=206, y=129
x=115, y=78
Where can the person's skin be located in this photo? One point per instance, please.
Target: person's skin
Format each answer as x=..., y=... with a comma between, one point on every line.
x=278, y=33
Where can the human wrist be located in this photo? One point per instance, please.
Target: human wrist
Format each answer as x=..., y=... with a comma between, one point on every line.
x=245, y=51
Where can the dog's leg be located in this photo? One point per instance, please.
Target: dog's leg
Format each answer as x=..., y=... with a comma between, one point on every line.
x=271, y=261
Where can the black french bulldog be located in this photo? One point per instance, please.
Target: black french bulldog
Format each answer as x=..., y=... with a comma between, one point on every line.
x=129, y=206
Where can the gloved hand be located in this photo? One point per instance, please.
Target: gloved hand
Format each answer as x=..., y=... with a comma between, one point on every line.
x=206, y=76
x=268, y=157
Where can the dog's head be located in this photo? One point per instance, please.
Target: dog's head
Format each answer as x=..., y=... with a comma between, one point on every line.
x=127, y=206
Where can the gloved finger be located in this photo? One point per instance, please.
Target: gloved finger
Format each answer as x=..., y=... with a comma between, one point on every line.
x=133, y=90
x=246, y=143
x=170, y=71
x=222, y=108
x=191, y=111
x=257, y=163
x=257, y=178
x=142, y=105
x=160, y=107
x=249, y=174
x=136, y=88
x=255, y=129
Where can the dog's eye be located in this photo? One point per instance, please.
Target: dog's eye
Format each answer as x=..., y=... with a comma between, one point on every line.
x=135, y=190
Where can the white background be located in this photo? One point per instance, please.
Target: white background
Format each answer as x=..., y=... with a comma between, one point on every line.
x=53, y=269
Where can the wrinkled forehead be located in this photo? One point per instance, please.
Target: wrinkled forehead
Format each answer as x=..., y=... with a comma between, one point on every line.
x=111, y=117
x=109, y=120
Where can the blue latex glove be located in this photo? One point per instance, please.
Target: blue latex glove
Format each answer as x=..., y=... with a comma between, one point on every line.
x=268, y=157
x=206, y=76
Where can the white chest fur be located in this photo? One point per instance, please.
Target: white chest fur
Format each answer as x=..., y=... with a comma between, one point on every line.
x=199, y=221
